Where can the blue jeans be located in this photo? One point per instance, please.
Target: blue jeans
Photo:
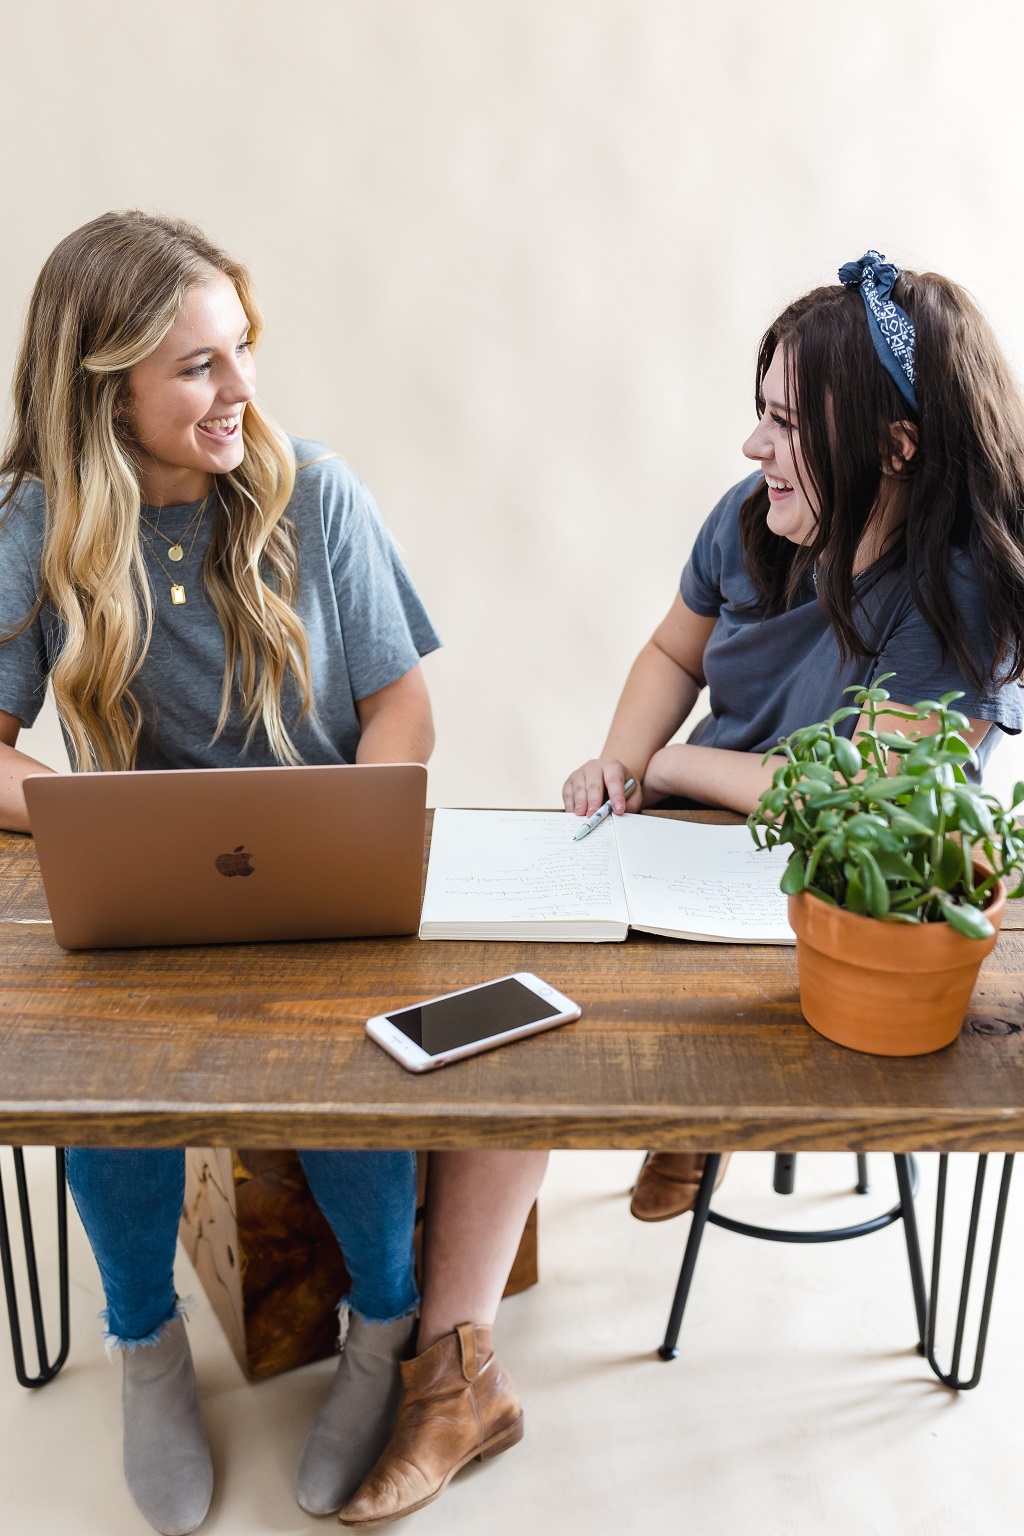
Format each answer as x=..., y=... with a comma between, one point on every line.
x=130, y=1202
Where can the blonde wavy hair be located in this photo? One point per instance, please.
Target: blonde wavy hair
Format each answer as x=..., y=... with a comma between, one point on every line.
x=104, y=300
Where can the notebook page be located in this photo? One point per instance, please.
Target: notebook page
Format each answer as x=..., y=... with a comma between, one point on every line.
x=519, y=872
x=691, y=880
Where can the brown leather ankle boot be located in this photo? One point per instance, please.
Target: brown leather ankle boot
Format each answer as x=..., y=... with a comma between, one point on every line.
x=669, y=1182
x=457, y=1403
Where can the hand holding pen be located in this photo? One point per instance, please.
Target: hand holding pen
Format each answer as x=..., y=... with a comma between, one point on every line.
x=604, y=811
x=600, y=779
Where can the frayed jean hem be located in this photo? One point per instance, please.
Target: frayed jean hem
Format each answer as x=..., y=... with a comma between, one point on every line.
x=347, y=1310
x=116, y=1344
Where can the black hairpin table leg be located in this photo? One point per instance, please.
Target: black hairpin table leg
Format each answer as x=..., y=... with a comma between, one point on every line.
x=702, y=1206
x=47, y=1368
x=954, y=1377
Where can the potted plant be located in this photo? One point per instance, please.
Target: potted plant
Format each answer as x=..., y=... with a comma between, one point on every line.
x=898, y=876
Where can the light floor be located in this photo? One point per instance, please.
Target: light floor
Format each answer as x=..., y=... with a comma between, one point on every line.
x=797, y=1404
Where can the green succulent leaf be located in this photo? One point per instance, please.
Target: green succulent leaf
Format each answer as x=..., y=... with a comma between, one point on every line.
x=905, y=825
x=967, y=920
x=900, y=846
x=957, y=747
x=889, y=789
x=924, y=807
x=896, y=740
x=792, y=882
x=896, y=866
x=949, y=866
x=848, y=759
x=856, y=896
x=974, y=809
x=876, y=892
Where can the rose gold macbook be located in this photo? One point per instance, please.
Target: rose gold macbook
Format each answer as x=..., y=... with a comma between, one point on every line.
x=229, y=855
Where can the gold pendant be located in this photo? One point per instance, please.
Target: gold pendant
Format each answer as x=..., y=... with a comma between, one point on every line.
x=175, y=552
x=177, y=593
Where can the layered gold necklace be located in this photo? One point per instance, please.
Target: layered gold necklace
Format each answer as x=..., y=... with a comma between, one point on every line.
x=176, y=549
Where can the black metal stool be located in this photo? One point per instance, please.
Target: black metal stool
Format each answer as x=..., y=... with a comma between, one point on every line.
x=785, y=1172
x=47, y=1368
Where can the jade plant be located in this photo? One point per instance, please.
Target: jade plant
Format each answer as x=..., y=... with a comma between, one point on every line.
x=887, y=824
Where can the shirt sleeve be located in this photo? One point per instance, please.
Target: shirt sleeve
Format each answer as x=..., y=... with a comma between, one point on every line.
x=385, y=627
x=922, y=671
x=24, y=665
x=716, y=553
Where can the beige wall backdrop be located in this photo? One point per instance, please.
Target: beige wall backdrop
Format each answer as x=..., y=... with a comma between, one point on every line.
x=516, y=256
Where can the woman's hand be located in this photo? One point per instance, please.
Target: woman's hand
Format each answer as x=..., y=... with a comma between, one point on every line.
x=601, y=779
x=660, y=691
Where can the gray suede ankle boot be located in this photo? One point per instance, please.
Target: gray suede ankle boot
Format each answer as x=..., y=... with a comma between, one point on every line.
x=166, y=1458
x=355, y=1423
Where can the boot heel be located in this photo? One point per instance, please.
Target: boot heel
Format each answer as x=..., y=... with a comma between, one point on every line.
x=503, y=1442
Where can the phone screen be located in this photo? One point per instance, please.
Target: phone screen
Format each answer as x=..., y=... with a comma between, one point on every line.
x=460, y=1020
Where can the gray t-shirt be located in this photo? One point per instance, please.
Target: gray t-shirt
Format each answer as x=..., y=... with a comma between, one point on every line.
x=769, y=677
x=366, y=624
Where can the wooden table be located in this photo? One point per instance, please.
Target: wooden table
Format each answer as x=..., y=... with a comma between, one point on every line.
x=680, y=1046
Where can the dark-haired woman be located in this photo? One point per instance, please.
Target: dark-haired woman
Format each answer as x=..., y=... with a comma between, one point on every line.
x=882, y=532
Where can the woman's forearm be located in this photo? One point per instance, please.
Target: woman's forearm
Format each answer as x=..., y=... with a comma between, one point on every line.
x=733, y=780
x=15, y=768
x=656, y=700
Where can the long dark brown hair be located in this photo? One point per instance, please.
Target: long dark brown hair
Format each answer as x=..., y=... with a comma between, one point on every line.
x=962, y=489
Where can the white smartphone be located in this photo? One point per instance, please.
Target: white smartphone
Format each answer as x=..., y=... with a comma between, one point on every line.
x=460, y=1024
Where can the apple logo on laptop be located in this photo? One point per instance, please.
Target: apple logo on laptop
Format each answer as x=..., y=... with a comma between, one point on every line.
x=237, y=863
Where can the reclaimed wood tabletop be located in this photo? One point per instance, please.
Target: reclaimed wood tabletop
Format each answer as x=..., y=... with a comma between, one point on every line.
x=681, y=1045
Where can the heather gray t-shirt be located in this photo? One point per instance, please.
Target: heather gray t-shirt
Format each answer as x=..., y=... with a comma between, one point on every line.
x=769, y=677
x=366, y=624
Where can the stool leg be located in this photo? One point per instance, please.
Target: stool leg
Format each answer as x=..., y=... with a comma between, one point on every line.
x=863, y=1187
x=906, y=1181
x=784, y=1177
x=702, y=1206
x=47, y=1368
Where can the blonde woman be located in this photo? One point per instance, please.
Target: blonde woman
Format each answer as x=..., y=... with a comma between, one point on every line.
x=202, y=591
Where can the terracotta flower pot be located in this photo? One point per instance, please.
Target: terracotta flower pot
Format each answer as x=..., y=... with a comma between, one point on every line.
x=887, y=988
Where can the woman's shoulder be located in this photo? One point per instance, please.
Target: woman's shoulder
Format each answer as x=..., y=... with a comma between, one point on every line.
x=728, y=506
x=328, y=489
x=720, y=531
x=723, y=521
x=323, y=470
x=964, y=582
x=331, y=505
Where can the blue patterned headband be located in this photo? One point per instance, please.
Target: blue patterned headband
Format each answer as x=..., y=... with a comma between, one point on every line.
x=891, y=328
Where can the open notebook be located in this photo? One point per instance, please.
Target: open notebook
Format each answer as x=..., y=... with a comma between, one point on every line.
x=520, y=875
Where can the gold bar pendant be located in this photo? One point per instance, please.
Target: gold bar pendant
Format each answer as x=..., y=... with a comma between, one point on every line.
x=177, y=593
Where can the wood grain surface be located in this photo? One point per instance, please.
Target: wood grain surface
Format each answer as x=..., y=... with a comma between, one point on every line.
x=680, y=1045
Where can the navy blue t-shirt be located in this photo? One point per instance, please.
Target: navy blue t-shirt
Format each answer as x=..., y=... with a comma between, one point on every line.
x=769, y=677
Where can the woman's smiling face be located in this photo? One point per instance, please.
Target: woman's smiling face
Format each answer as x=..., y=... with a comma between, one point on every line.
x=775, y=444
x=188, y=397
